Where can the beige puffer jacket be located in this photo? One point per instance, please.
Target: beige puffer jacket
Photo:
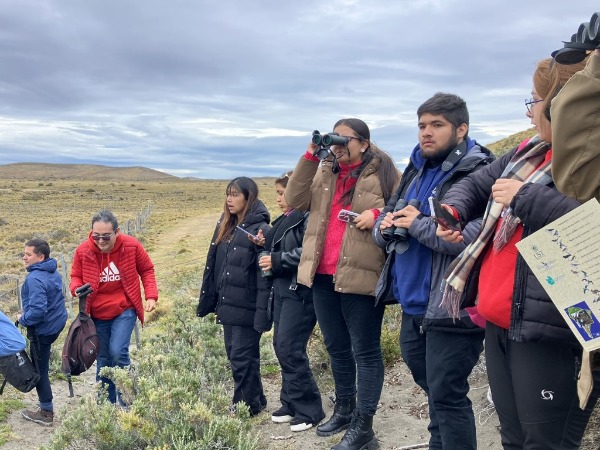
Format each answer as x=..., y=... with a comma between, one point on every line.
x=311, y=188
x=575, y=116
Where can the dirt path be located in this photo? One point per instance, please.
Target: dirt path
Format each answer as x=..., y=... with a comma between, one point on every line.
x=401, y=419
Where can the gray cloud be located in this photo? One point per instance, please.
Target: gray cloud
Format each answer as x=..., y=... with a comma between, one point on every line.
x=220, y=89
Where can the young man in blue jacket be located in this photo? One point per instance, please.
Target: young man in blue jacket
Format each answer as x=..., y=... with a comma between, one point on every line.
x=45, y=315
x=439, y=351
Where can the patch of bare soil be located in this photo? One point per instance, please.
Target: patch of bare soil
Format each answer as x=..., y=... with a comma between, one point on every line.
x=29, y=435
x=401, y=420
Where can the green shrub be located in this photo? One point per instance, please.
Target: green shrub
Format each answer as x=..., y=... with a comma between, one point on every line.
x=177, y=394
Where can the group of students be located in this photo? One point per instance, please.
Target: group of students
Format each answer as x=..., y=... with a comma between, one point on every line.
x=113, y=264
x=457, y=289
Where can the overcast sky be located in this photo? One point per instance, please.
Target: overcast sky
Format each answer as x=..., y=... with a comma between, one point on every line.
x=222, y=88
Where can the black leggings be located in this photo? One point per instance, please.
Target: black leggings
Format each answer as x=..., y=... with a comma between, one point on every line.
x=534, y=389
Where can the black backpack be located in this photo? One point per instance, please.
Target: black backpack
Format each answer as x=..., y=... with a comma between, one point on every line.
x=19, y=371
x=82, y=344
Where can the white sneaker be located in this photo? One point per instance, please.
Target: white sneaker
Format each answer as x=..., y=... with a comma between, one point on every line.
x=282, y=415
x=300, y=425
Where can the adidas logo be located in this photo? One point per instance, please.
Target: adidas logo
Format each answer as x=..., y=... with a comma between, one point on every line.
x=110, y=273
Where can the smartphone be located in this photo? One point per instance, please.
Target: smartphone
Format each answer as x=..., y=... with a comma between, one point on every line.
x=442, y=216
x=347, y=216
x=246, y=232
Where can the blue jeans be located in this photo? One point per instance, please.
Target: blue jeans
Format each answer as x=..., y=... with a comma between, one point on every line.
x=114, y=335
x=40, y=351
x=351, y=327
x=440, y=362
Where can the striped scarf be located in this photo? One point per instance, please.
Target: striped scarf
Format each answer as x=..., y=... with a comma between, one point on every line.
x=524, y=166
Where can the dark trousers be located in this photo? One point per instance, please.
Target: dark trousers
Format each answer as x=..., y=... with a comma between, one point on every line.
x=534, y=389
x=294, y=319
x=40, y=351
x=440, y=363
x=242, y=345
x=351, y=327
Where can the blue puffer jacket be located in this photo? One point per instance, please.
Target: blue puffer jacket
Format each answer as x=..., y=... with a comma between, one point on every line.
x=43, y=299
x=11, y=341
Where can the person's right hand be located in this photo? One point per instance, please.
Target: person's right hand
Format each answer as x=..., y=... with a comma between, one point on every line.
x=259, y=239
x=265, y=263
x=312, y=148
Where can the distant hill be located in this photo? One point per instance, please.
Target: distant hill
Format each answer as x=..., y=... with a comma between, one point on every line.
x=43, y=171
x=502, y=146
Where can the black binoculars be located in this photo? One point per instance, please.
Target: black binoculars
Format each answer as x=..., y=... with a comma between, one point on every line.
x=324, y=141
x=399, y=233
x=586, y=39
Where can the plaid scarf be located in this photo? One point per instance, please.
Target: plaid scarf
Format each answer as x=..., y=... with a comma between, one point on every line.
x=524, y=166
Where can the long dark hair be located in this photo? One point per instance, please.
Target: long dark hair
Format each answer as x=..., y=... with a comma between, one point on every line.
x=388, y=174
x=248, y=188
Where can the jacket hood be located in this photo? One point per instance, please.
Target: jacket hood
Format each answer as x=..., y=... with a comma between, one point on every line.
x=47, y=265
x=474, y=151
x=257, y=213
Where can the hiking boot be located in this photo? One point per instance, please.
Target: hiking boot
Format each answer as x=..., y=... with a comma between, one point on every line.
x=282, y=415
x=45, y=418
x=340, y=419
x=360, y=435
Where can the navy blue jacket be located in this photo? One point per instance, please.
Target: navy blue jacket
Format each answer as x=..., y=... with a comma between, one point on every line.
x=43, y=300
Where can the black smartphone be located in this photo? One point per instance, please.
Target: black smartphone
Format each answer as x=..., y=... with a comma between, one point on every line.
x=442, y=216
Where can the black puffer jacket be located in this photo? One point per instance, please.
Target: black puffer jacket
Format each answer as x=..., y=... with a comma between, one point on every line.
x=284, y=241
x=534, y=318
x=234, y=299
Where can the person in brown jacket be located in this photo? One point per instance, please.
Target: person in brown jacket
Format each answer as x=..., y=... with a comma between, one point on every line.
x=342, y=264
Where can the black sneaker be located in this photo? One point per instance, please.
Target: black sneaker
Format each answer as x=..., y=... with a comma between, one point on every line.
x=282, y=415
x=300, y=424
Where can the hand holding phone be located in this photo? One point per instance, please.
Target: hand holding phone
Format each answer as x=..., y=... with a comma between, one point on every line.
x=247, y=233
x=444, y=217
x=347, y=216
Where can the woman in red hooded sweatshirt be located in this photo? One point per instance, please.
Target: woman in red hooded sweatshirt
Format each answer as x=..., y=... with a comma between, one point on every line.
x=113, y=264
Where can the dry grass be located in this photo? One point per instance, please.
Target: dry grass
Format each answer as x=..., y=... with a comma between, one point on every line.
x=60, y=212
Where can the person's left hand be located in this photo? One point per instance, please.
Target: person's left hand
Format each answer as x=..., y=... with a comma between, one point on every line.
x=365, y=221
x=504, y=190
x=19, y=315
x=150, y=305
x=406, y=216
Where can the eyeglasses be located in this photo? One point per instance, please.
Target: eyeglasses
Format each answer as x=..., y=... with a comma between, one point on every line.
x=531, y=101
x=104, y=237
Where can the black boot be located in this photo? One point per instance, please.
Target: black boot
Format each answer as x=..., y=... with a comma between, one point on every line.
x=360, y=435
x=340, y=419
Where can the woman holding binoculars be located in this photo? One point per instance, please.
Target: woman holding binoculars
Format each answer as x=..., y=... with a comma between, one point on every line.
x=341, y=263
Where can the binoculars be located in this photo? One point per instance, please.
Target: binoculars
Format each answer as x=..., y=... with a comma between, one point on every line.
x=586, y=39
x=325, y=141
x=399, y=233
